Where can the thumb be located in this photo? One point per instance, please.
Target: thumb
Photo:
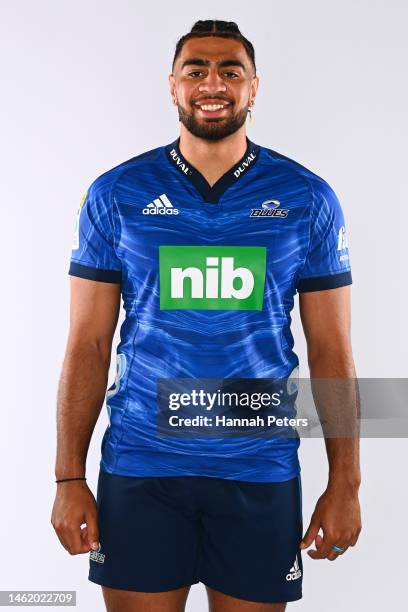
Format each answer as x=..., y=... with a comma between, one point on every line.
x=311, y=533
x=93, y=531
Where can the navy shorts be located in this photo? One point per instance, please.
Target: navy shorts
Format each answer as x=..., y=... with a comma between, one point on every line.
x=163, y=533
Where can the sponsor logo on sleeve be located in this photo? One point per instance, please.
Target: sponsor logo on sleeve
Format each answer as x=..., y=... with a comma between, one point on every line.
x=342, y=243
x=75, y=239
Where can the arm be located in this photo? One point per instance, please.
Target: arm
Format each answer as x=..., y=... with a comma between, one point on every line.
x=326, y=321
x=93, y=318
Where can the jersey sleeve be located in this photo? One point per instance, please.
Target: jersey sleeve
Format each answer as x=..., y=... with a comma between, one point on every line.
x=93, y=255
x=327, y=262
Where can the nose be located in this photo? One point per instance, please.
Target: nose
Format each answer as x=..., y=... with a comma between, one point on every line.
x=212, y=83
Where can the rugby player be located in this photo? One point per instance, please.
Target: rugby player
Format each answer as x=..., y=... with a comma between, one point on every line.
x=207, y=240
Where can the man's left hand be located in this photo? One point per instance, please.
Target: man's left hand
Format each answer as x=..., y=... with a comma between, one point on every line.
x=337, y=513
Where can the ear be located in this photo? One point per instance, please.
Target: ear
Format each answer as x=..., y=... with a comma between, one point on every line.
x=254, y=87
x=172, y=87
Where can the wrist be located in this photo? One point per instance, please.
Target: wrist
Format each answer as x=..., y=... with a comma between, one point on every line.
x=68, y=476
x=70, y=483
x=77, y=470
x=344, y=479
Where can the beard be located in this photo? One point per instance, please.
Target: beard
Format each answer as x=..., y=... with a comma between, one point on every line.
x=212, y=129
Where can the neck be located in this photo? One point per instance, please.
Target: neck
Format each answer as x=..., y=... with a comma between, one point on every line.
x=213, y=158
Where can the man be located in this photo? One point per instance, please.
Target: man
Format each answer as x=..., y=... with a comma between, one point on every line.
x=207, y=240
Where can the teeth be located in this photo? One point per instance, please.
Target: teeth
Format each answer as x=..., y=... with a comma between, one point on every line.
x=211, y=107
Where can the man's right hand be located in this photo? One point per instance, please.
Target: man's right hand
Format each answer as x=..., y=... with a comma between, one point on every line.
x=75, y=505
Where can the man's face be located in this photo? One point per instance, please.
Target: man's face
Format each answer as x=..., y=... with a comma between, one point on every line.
x=213, y=83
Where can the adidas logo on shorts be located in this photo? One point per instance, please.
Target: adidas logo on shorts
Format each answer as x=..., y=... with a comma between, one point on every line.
x=160, y=206
x=295, y=572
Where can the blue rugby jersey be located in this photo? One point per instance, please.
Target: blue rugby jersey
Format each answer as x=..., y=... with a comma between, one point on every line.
x=208, y=277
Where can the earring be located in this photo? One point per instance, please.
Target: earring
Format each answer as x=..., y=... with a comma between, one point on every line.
x=251, y=116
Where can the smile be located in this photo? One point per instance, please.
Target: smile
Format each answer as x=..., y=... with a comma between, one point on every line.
x=212, y=107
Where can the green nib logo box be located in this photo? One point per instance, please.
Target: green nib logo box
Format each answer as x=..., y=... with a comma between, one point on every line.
x=212, y=277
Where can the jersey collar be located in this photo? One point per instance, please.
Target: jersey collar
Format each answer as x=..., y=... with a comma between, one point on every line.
x=212, y=194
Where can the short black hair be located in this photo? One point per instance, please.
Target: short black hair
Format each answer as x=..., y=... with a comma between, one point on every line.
x=223, y=29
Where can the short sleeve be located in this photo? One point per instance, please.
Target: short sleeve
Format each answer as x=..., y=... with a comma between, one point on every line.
x=93, y=254
x=327, y=262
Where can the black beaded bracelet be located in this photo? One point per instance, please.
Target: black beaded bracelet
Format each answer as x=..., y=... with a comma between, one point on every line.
x=65, y=479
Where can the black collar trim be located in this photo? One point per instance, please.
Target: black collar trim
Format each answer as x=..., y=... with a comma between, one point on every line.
x=212, y=194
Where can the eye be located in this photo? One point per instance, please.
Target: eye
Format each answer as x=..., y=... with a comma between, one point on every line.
x=231, y=75
x=195, y=73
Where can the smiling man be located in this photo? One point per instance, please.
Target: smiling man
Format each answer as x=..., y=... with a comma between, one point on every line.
x=207, y=239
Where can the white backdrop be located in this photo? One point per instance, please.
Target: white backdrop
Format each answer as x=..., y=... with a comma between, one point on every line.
x=84, y=87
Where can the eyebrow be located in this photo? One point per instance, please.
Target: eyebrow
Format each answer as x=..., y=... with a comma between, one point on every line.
x=201, y=62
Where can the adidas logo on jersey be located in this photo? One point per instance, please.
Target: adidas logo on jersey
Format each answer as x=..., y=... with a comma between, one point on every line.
x=295, y=572
x=160, y=206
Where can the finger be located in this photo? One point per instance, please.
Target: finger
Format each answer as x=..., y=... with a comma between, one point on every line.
x=353, y=540
x=84, y=533
x=332, y=556
x=84, y=546
x=84, y=539
x=343, y=545
x=330, y=553
x=60, y=530
x=61, y=539
x=310, y=534
x=92, y=531
x=315, y=554
x=324, y=548
x=72, y=537
x=318, y=542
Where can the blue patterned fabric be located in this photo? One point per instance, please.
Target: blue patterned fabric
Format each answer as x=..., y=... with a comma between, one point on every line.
x=158, y=199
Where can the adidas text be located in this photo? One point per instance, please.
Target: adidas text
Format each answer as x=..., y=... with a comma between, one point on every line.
x=160, y=206
x=295, y=572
